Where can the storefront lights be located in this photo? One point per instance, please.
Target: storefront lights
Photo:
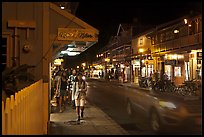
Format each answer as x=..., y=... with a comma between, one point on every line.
x=141, y=50
x=174, y=56
x=107, y=59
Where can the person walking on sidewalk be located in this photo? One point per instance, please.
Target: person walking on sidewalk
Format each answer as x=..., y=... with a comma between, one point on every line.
x=72, y=87
x=80, y=95
x=62, y=85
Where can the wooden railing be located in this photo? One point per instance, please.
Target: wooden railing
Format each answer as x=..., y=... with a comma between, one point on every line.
x=23, y=113
x=181, y=42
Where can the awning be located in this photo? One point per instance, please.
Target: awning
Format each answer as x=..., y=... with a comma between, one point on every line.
x=69, y=34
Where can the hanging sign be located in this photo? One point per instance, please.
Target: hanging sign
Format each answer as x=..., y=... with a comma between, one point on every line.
x=75, y=34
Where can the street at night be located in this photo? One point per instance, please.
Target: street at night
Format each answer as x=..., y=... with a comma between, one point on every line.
x=102, y=68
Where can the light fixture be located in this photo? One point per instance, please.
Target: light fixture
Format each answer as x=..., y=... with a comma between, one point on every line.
x=70, y=53
x=176, y=31
x=141, y=50
x=185, y=21
x=62, y=7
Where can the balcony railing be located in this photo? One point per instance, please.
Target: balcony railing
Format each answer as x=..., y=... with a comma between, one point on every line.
x=181, y=42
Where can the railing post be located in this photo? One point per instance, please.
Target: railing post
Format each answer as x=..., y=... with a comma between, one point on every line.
x=16, y=113
x=8, y=117
x=13, y=124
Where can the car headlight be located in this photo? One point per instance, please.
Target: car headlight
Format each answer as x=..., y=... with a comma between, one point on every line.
x=165, y=104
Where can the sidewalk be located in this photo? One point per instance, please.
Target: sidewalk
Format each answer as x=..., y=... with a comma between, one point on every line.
x=95, y=122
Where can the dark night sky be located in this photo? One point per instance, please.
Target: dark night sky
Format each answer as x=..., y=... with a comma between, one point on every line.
x=106, y=16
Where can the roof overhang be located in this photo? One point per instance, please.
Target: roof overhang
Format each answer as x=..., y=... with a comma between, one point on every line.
x=73, y=40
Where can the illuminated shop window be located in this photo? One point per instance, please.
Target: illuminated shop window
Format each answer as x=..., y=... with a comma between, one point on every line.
x=187, y=71
x=177, y=71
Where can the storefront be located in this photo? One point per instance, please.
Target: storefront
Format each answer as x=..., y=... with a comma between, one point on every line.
x=183, y=67
x=195, y=64
x=174, y=67
x=136, y=70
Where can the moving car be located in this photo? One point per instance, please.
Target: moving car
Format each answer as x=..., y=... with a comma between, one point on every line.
x=166, y=110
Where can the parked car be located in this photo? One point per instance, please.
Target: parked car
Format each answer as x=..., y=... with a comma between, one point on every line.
x=166, y=110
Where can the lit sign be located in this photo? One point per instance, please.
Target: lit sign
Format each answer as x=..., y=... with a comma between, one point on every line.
x=170, y=62
x=77, y=34
x=199, y=55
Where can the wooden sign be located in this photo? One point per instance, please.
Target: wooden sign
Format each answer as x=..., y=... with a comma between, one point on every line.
x=75, y=34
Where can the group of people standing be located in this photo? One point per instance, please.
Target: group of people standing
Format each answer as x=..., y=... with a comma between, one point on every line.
x=74, y=87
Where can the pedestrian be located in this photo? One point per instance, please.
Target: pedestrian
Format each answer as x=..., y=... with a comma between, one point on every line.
x=80, y=95
x=57, y=85
x=62, y=89
x=72, y=82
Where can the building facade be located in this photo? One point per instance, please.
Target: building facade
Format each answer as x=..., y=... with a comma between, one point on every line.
x=142, y=61
x=177, y=49
x=173, y=48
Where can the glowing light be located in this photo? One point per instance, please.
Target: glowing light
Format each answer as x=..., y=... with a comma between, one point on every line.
x=176, y=31
x=84, y=64
x=62, y=7
x=107, y=59
x=185, y=21
x=141, y=50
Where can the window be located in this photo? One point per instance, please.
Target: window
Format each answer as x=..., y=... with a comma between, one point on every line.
x=177, y=71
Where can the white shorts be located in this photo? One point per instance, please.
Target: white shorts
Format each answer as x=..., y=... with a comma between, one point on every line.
x=79, y=102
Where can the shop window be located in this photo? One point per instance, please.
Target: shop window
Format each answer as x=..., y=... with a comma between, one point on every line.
x=187, y=71
x=168, y=71
x=177, y=71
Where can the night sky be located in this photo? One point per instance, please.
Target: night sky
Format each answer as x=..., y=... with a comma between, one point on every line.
x=106, y=16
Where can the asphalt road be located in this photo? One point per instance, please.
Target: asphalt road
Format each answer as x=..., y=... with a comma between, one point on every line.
x=111, y=98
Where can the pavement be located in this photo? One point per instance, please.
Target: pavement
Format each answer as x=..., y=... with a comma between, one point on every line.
x=95, y=121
